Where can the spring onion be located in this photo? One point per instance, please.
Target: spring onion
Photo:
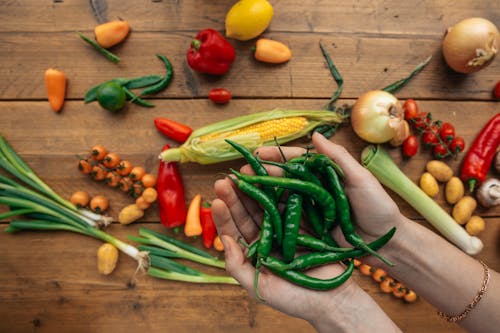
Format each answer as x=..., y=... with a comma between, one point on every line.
x=380, y=164
x=150, y=237
x=12, y=163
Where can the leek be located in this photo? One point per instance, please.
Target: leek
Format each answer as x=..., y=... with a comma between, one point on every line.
x=380, y=164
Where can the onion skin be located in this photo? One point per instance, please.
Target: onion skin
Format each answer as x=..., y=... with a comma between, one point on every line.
x=471, y=45
x=377, y=116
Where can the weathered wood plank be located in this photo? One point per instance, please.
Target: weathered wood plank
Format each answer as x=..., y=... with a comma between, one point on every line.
x=392, y=17
x=365, y=64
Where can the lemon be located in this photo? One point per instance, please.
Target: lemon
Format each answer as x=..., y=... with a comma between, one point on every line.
x=247, y=19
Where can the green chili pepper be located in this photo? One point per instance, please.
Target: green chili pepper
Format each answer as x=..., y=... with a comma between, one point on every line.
x=296, y=170
x=269, y=206
x=264, y=248
x=320, y=258
x=332, y=182
x=318, y=193
x=336, y=75
x=142, y=81
x=313, y=216
x=136, y=99
x=111, y=56
x=301, y=279
x=291, y=224
x=316, y=244
x=166, y=79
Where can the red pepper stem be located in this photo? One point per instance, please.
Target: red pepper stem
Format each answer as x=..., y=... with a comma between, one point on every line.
x=472, y=183
x=195, y=44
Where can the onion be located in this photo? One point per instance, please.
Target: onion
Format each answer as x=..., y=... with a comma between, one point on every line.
x=471, y=45
x=377, y=116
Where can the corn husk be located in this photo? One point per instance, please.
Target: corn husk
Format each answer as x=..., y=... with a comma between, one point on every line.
x=207, y=145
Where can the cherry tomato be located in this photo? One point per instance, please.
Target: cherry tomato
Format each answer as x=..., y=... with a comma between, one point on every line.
x=124, y=168
x=411, y=109
x=99, y=204
x=447, y=132
x=410, y=146
x=99, y=172
x=98, y=152
x=440, y=151
x=421, y=121
x=112, y=179
x=148, y=180
x=219, y=95
x=111, y=160
x=80, y=199
x=84, y=166
x=457, y=145
x=429, y=138
x=496, y=90
x=136, y=173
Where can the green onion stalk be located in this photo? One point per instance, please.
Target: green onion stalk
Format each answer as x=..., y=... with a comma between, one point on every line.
x=380, y=164
x=12, y=163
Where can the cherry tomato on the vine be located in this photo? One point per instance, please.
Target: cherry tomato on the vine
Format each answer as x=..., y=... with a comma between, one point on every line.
x=429, y=138
x=440, y=151
x=410, y=146
x=457, y=145
x=421, y=121
x=410, y=108
x=219, y=95
x=496, y=90
x=447, y=132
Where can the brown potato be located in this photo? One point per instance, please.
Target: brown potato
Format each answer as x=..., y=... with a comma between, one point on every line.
x=429, y=184
x=454, y=190
x=440, y=170
x=463, y=209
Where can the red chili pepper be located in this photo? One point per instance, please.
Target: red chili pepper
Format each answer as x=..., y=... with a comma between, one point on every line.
x=207, y=225
x=210, y=53
x=478, y=159
x=172, y=129
x=219, y=95
x=171, y=198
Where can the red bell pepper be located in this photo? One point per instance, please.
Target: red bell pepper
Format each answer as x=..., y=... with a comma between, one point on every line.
x=171, y=197
x=207, y=225
x=479, y=157
x=172, y=129
x=210, y=53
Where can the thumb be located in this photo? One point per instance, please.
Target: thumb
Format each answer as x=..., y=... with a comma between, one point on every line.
x=353, y=171
x=236, y=264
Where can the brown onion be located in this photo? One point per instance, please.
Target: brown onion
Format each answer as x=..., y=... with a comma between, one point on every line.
x=471, y=45
x=377, y=116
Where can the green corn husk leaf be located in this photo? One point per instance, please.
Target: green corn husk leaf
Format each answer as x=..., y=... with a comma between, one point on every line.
x=216, y=150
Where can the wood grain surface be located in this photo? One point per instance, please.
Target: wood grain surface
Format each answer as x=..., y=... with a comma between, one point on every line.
x=49, y=281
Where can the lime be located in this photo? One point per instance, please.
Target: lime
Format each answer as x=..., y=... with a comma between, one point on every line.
x=111, y=96
x=247, y=19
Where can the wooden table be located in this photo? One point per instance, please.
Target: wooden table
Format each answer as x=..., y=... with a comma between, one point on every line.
x=49, y=281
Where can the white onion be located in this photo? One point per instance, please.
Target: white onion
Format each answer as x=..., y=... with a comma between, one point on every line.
x=377, y=116
x=471, y=45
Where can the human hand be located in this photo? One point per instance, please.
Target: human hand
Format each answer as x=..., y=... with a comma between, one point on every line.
x=238, y=217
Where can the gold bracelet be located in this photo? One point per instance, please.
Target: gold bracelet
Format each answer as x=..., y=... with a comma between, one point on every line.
x=477, y=298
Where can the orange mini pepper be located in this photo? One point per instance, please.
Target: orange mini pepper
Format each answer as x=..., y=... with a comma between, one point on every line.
x=111, y=33
x=271, y=51
x=55, y=83
x=193, y=220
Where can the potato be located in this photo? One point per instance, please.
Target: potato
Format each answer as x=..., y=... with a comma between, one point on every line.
x=475, y=225
x=130, y=214
x=429, y=184
x=454, y=190
x=463, y=209
x=440, y=170
x=107, y=257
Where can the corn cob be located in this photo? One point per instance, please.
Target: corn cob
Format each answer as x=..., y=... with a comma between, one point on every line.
x=206, y=145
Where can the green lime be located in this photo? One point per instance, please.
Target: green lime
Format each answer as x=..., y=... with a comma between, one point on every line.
x=111, y=96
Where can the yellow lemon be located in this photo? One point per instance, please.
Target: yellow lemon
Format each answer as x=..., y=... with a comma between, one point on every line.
x=247, y=19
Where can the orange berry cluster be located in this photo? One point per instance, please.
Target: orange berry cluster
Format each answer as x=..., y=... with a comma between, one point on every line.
x=108, y=167
x=386, y=283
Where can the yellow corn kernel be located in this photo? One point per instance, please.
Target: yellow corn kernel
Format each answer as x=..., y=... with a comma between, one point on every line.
x=107, y=257
x=267, y=130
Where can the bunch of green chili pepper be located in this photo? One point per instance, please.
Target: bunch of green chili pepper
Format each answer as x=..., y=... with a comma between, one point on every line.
x=312, y=186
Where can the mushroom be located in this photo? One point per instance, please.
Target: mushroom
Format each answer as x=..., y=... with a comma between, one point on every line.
x=488, y=194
